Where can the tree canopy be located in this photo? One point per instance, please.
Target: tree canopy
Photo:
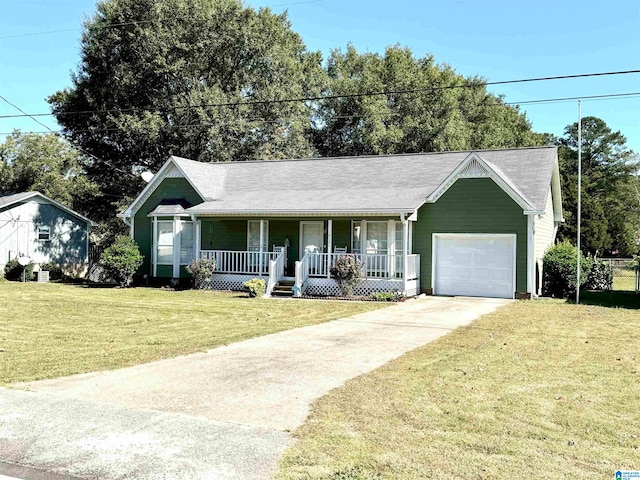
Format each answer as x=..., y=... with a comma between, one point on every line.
x=49, y=165
x=188, y=78
x=610, y=200
x=431, y=108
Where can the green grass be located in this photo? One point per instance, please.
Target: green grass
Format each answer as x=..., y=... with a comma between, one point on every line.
x=538, y=389
x=52, y=330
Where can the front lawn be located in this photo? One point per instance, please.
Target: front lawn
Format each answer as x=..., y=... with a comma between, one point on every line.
x=538, y=389
x=51, y=330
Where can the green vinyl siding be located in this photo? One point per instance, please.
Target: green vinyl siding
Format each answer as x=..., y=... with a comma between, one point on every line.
x=170, y=188
x=471, y=205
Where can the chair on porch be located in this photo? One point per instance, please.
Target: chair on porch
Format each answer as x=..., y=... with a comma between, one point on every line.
x=340, y=250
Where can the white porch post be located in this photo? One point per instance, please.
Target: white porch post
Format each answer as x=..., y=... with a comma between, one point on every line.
x=198, y=245
x=154, y=247
x=329, y=246
x=261, y=249
x=405, y=252
x=391, y=248
x=530, y=254
x=177, y=228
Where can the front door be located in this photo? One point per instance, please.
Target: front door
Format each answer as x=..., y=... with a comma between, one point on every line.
x=311, y=241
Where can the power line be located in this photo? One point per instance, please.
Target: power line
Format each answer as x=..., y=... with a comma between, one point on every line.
x=339, y=96
x=370, y=115
x=58, y=135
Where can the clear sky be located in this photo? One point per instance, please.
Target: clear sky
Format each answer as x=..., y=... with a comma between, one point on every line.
x=496, y=39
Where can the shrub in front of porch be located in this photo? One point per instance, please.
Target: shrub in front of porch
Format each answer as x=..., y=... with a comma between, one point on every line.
x=122, y=259
x=256, y=287
x=201, y=270
x=348, y=272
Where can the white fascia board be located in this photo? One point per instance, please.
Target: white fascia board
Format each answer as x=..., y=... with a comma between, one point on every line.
x=305, y=213
x=502, y=182
x=556, y=193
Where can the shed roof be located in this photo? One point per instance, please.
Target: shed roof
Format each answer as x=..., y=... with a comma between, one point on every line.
x=9, y=200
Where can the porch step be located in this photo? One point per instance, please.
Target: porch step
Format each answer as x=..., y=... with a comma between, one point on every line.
x=284, y=288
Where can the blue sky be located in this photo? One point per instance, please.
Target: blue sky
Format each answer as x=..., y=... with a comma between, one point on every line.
x=496, y=39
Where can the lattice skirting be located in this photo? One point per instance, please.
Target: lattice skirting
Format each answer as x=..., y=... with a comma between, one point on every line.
x=229, y=281
x=328, y=287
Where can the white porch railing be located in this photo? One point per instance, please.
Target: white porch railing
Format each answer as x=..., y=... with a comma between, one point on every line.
x=230, y=261
x=375, y=265
x=276, y=270
x=302, y=271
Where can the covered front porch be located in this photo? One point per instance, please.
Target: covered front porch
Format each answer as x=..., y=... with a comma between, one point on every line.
x=300, y=250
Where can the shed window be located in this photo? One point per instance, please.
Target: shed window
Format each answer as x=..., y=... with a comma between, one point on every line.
x=44, y=233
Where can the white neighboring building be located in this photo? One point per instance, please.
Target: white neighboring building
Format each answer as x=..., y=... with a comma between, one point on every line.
x=44, y=230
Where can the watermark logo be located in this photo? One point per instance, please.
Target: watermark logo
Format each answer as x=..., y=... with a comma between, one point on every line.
x=628, y=475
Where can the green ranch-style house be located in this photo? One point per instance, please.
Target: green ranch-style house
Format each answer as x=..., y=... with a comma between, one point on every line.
x=473, y=223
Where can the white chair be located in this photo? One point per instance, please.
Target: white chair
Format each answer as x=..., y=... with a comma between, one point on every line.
x=341, y=250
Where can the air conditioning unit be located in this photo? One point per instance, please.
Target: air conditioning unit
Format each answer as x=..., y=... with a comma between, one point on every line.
x=43, y=276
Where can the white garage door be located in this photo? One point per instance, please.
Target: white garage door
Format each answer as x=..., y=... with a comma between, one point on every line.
x=474, y=265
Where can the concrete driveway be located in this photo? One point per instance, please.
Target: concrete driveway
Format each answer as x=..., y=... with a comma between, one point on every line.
x=226, y=413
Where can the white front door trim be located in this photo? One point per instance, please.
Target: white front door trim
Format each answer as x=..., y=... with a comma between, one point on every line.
x=302, y=242
x=434, y=251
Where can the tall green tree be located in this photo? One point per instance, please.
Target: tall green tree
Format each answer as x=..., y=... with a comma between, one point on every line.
x=185, y=77
x=47, y=164
x=610, y=203
x=437, y=116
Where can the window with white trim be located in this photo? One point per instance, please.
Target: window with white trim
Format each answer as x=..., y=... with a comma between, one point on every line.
x=44, y=233
x=165, y=242
x=253, y=236
x=377, y=241
x=187, y=243
x=356, y=235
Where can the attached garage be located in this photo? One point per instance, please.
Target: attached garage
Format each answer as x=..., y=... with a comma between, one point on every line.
x=477, y=265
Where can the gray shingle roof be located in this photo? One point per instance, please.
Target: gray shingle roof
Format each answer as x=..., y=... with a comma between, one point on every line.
x=390, y=183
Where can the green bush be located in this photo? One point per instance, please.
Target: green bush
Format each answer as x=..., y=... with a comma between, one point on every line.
x=122, y=259
x=387, y=296
x=201, y=270
x=348, y=272
x=600, y=275
x=13, y=271
x=55, y=271
x=559, y=270
x=256, y=287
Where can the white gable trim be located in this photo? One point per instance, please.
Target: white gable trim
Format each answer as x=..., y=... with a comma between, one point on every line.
x=473, y=166
x=556, y=194
x=170, y=169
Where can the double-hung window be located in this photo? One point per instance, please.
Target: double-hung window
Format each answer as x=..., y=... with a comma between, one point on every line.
x=187, y=243
x=165, y=242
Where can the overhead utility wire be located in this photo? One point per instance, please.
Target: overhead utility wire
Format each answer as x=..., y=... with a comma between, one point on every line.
x=368, y=115
x=346, y=95
x=58, y=134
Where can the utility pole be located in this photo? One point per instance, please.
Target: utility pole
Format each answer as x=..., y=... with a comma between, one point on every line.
x=579, y=197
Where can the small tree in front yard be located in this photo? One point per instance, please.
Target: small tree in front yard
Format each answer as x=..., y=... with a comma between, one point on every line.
x=559, y=277
x=348, y=272
x=122, y=259
x=201, y=270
